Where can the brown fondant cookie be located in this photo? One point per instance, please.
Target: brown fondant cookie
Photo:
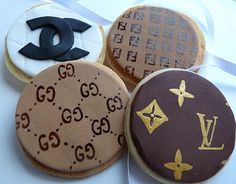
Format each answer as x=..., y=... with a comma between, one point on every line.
x=69, y=118
x=145, y=39
x=179, y=127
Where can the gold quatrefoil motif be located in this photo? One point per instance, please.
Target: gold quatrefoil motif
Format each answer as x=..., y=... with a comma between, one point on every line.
x=152, y=116
x=178, y=166
x=181, y=93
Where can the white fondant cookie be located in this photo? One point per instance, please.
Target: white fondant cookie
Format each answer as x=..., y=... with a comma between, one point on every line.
x=20, y=34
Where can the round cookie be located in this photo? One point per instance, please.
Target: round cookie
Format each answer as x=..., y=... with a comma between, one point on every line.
x=49, y=34
x=70, y=119
x=179, y=127
x=146, y=38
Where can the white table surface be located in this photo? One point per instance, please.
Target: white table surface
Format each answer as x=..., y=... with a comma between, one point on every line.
x=15, y=168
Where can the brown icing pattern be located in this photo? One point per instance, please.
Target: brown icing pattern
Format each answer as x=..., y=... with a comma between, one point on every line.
x=70, y=117
x=145, y=39
x=194, y=131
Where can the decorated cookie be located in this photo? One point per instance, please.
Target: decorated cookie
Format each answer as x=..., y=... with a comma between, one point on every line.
x=179, y=127
x=48, y=34
x=69, y=119
x=145, y=39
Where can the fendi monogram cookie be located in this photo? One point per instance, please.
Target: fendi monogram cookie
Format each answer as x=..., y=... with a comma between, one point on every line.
x=145, y=39
x=179, y=127
x=69, y=119
x=50, y=34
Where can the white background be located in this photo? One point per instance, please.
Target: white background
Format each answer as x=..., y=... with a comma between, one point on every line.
x=15, y=168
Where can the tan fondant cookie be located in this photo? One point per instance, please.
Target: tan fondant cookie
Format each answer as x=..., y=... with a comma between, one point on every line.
x=69, y=119
x=145, y=39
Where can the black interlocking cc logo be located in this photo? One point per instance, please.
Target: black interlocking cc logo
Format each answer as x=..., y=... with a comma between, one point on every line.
x=51, y=26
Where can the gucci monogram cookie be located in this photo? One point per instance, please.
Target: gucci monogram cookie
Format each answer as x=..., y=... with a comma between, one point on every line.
x=179, y=127
x=145, y=39
x=70, y=119
x=48, y=34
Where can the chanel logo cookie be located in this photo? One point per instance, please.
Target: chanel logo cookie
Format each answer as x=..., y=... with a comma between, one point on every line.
x=52, y=26
x=50, y=34
x=69, y=119
x=145, y=39
x=183, y=131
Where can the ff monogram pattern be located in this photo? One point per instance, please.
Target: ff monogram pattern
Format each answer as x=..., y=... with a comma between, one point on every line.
x=146, y=39
x=50, y=27
x=196, y=124
x=76, y=125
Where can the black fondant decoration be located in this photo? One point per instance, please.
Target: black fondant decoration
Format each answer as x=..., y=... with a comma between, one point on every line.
x=77, y=25
x=51, y=26
x=41, y=53
x=47, y=34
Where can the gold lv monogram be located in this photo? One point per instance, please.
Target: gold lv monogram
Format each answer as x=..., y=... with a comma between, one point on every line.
x=152, y=116
x=208, y=130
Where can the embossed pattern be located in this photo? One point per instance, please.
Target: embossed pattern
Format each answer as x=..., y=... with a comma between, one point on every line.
x=146, y=39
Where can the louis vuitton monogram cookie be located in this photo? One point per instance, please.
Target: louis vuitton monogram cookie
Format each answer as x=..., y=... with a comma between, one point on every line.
x=179, y=127
x=145, y=39
x=48, y=34
x=69, y=119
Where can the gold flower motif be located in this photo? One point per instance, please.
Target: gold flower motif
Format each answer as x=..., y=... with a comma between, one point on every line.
x=181, y=93
x=178, y=166
x=152, y=116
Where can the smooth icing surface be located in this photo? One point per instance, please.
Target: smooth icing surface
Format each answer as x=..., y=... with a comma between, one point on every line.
x=20, y=35
x=70, y=116
x=145, y=39
x=182, y=127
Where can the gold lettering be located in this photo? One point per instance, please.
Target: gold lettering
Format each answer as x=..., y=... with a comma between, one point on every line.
x=208, y=129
